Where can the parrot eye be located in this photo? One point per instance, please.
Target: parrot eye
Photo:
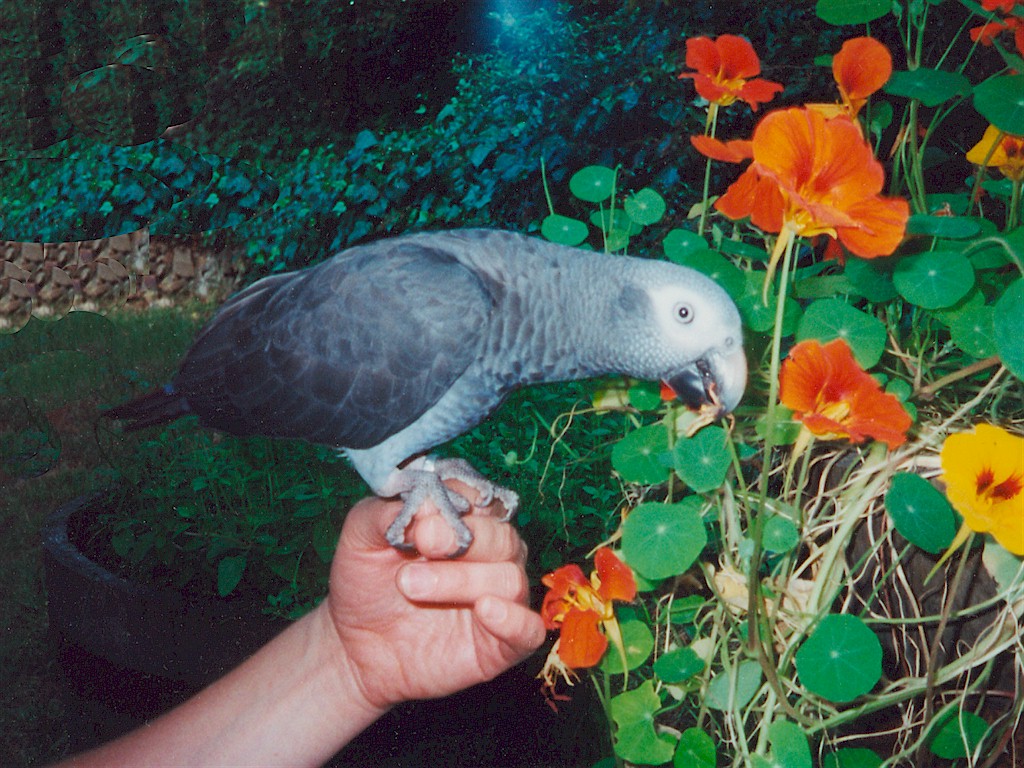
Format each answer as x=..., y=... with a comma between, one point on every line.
x=684, y=313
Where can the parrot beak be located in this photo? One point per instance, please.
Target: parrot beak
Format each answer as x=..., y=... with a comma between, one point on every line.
x=713, y=383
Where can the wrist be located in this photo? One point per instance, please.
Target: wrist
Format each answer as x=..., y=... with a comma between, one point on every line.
x=344, y=679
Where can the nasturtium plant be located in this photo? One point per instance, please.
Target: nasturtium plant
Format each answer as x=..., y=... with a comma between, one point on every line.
x=957, y=733
x=829, y=319
x=695, y=750
x=731, y=689
x=661, y=540
x=564, y=230
x=636, y=739
x=678, y=665
x=645, y=207
x=920, y=512
x=1000, y=100
x=643, y=456
x=841, y=660
x=1008, y=327
x=852, y=757
x=703, y=460
x=789, y=747
x=594, y=184
x=934, y=279
x=637, y=643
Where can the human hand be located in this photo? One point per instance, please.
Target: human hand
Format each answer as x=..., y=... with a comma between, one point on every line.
x=424, y=626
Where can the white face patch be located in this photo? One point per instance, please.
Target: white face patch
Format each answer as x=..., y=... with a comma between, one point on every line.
x=684, y=317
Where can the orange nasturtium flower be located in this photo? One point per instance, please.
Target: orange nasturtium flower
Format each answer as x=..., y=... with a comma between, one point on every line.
x=581, y=608
x=834, y=398
x=811, y=175
x=727, y=70
x=862, y=66
x=1001, y=150
x=984, y=475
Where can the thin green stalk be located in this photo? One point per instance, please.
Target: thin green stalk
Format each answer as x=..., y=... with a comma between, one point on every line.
x=710, y=129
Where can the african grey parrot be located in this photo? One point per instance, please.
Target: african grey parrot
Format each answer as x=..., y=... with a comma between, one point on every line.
x=389, y=349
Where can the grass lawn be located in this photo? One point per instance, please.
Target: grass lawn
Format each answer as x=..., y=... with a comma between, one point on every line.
x=53, y=447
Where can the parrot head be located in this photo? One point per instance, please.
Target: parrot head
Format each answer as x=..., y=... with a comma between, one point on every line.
x=692, y=338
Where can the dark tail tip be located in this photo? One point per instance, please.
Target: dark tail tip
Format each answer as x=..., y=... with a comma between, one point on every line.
x=155, y=408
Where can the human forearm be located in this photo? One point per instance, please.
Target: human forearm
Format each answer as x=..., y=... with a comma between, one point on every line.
x=292, y=703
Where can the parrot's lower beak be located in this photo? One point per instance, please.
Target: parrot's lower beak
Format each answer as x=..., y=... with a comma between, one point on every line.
x=713, y=384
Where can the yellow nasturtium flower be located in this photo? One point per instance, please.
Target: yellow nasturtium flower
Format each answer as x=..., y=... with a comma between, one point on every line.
x=1002, y=150
x=984, y=475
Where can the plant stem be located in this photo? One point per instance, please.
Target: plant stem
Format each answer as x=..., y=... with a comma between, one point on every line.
x=927, y=393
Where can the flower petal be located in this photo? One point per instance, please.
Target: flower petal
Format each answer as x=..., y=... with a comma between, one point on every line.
x=617, y=580
x=862, y=66
x=727, y=151
x=562, y=585
x=581, y=643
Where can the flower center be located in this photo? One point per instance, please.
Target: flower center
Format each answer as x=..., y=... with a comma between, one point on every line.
x=992, y=492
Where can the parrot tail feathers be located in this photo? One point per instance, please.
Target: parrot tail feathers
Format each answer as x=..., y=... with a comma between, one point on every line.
x=159, y=407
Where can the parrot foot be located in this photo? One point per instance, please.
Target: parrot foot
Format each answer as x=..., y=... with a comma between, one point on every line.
x=423, y=480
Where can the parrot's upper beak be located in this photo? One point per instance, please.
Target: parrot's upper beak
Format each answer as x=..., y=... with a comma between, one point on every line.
x=715, y=381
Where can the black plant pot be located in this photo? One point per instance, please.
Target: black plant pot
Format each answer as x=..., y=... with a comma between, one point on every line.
x=130, y=651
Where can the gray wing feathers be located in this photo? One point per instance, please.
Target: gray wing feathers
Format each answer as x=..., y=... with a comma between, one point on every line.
x=383, y=333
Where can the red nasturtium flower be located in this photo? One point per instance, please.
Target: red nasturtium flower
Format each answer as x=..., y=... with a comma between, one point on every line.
x=727, y=70
x=987, y=33
x=984, y=475
x=811, y=175
x=1002, y=150
x=834, y=398
x=581, y=608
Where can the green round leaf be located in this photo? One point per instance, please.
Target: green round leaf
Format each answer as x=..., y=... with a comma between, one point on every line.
x=711, y=263
x=852, y=757
x=695, y=750
x=1000, y=100
x=840, y=12
x=642, y=456
x=662, y=540
x=678, y=665
x=974, y=333
x=829, y=319
x=732, y=692
x=638, y=643
x=841, y=660
x=929, y=86
x=593, y=184
x=789, y=745
x=952, y=227
x=646, y=207
x=680, y=242
x=957, y=734
x=612, y=221
x=934, y=279
x=645, y=395
x=635, y=737
x=564, y=230
x=703, y=460
x=1008, y=327
x=871, y=278
x=921, y=514
x=780, y=534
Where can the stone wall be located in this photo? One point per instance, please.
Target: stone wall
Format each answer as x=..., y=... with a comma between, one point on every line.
x=49, y=280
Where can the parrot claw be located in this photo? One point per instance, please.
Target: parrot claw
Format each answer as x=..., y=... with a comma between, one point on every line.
x=423, y=480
